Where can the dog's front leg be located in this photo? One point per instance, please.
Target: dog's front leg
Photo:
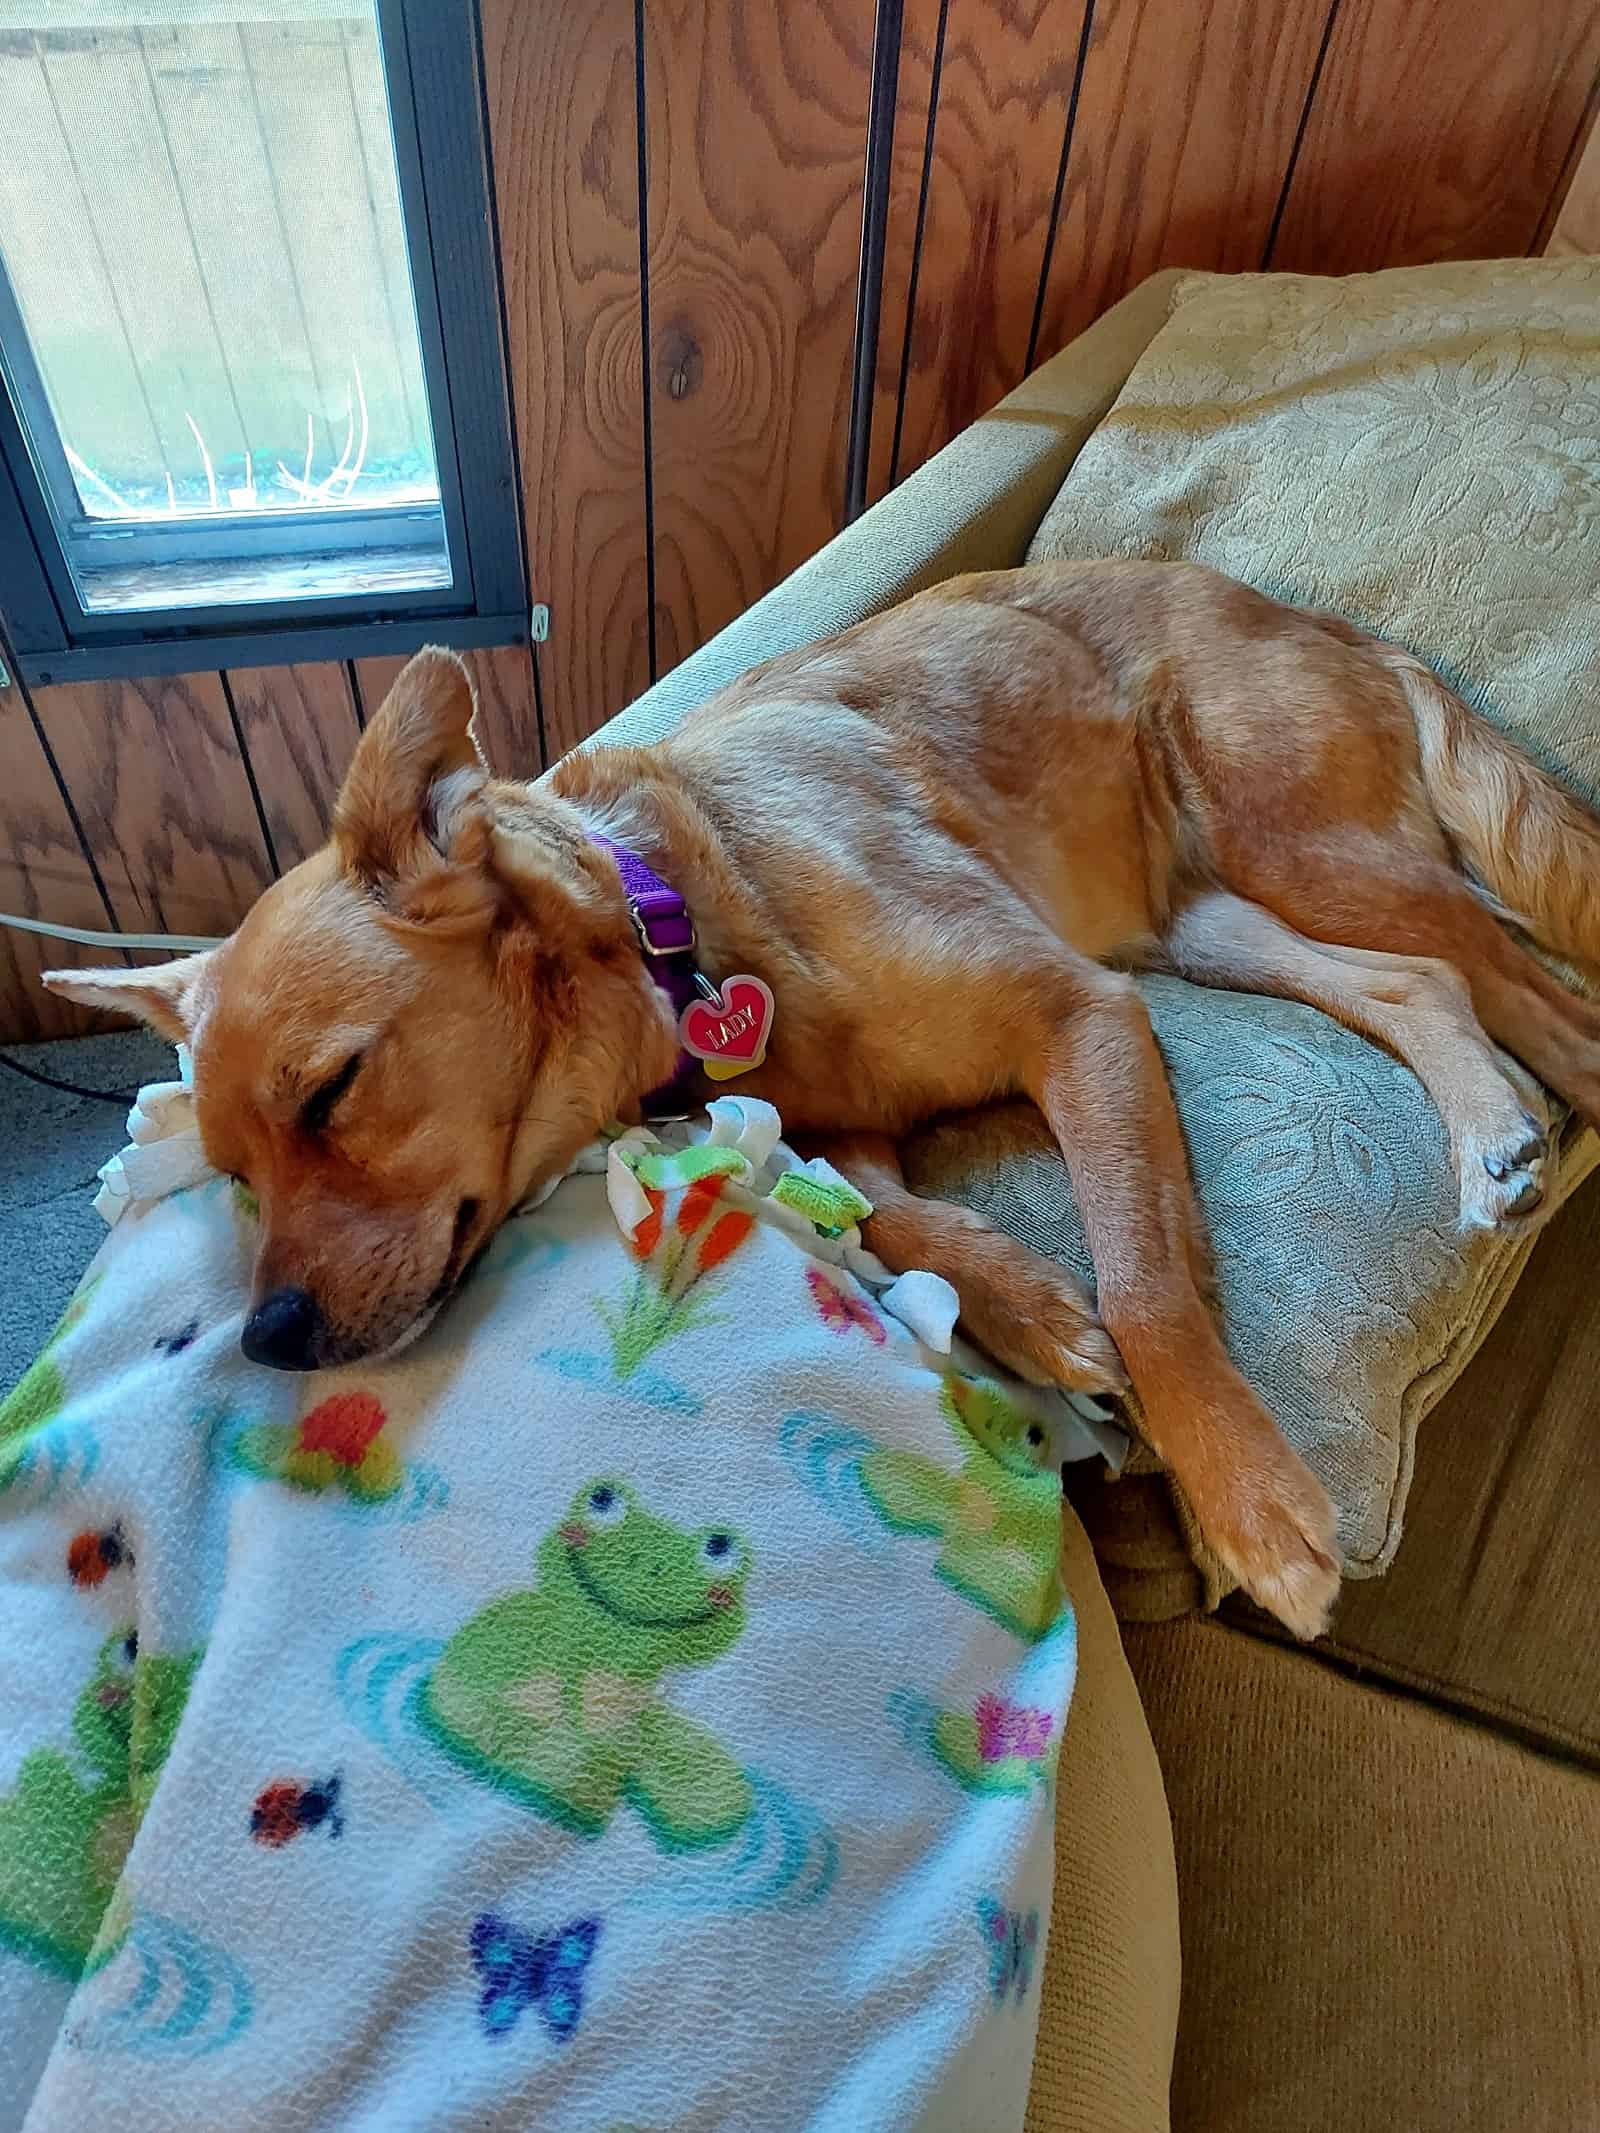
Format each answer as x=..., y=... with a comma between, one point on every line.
x=1029, y=1313
x=1099, y=1080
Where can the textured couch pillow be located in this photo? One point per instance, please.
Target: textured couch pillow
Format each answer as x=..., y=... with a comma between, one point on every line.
x=1418, y=451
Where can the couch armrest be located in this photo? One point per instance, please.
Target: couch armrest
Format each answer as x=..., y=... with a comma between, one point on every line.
x=975, y=506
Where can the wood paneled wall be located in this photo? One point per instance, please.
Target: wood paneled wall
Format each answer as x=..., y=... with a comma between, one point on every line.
x=168, y=805
x=679, y=194
x=680, y=200
x=1575, y=229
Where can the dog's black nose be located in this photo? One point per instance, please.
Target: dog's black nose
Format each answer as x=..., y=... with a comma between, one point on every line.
x=284, y=1331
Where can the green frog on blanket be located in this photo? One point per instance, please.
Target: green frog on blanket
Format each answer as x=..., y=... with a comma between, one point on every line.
x=999, y=1518
x=66, y=1827
x=39, y=1394
x=553, y=1695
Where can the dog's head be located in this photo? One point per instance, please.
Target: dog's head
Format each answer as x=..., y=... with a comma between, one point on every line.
x=409, y=1033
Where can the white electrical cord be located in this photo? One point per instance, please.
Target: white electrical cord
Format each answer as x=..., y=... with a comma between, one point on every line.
x=87, y=939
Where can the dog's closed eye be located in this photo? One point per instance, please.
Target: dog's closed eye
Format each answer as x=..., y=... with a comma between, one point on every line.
x=319, y=1107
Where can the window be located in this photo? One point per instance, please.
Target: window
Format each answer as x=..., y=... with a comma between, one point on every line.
x=247, y=295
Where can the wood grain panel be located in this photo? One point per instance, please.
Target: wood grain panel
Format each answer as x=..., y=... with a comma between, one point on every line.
x=155, y=772
x=757, y=133
x=43, y=874
x=1003, y=98
x=299, y=725
x=1184, y=130
x=508, y=725
x=560, y=84
x=1439, y=130
x=1575, y=228
x=923, y=35
x=374, y=679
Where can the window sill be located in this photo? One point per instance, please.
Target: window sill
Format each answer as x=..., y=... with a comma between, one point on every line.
x=282, y=645
x=240, y=581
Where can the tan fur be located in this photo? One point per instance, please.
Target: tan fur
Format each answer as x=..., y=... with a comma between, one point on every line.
x=940, y=838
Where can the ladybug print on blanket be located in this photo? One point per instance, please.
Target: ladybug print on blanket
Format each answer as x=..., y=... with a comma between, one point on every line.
x=91, y=1557
x=286, y=1807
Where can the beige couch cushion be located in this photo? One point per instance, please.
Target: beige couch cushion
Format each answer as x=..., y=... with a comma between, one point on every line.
x=1390, y=1921
x=1419, y=451
x=1491, y=1606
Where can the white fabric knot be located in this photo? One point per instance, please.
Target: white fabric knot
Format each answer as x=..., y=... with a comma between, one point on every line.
x=164, y=1153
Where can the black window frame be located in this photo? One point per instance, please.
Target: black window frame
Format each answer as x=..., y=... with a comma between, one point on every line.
x=432, y=63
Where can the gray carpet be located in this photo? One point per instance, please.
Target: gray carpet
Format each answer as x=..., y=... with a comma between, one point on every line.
x=51, y=1145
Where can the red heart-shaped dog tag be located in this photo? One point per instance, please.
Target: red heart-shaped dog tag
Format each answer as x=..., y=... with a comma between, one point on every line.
x=729, y=1033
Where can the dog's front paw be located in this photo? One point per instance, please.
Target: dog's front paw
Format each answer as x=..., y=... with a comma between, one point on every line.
x=1066, y=1343
x=1276, y=1533
x=1038, y=1319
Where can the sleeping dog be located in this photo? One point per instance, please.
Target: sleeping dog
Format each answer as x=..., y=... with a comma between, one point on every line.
x=940, y=841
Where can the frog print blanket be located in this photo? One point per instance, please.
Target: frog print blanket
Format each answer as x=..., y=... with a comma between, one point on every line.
x=634, y=1706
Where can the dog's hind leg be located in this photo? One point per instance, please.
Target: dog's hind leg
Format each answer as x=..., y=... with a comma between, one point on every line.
x=1400, y=904
x=1097, y=1076
x=1028, y=1312
x=1416, y=1007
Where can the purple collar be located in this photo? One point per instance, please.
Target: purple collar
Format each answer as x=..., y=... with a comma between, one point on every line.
x=667, y=941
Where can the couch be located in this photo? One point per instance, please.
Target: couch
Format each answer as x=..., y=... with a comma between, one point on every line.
x=1382, y=1852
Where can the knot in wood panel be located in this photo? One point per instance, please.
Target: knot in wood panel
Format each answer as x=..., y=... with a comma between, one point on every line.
x=680, y=361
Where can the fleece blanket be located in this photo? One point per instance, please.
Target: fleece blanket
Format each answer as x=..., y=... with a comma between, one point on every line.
x=636, y=1706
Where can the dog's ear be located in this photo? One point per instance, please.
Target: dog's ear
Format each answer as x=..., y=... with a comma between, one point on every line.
x=410, y=819
x=166, y=996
